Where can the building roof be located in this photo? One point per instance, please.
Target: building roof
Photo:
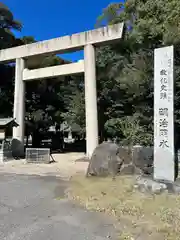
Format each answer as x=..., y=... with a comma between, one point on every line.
x=6, y=121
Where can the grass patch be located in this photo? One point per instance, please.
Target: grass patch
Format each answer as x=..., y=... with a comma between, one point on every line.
x=139, y=215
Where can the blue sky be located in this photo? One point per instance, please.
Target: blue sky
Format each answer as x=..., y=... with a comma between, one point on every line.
x=45, y=19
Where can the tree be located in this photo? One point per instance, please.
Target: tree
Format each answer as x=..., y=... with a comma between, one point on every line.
x=44, y=99
x=45, y=102
x=76, y=112
x=148, y=24
x=7, y=39
x=7, y=23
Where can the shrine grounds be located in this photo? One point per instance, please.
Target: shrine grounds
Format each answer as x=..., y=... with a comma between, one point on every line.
x=137, y=216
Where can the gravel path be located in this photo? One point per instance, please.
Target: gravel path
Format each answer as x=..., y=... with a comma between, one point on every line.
x=34, y=208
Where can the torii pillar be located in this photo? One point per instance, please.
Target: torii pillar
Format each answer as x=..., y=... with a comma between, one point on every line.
x=19, y=105
x=90, y=100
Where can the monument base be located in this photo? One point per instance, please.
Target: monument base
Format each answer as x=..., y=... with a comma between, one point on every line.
x=147, y=184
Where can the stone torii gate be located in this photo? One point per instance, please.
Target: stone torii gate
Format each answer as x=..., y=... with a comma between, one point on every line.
x=85, y=40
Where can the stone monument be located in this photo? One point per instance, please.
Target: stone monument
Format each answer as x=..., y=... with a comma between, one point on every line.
x=164, y=156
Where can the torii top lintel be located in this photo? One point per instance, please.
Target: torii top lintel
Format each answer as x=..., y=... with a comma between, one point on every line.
x=64, y=44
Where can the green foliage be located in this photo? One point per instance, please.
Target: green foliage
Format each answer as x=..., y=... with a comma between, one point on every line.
x=129, y=65
x=7, y=24
x=75, y=114
x=7, y=39
x=128, y=131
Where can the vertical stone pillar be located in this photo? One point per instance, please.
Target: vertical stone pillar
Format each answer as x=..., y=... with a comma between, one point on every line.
x=90, y=100
x=164, y=154
x=19, y=105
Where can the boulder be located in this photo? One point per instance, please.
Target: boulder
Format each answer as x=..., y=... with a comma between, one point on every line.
x=111, y=159
x=105, y=161
x=142, y=158
x=138, y=160
x=147, y=184
x=17, y=149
